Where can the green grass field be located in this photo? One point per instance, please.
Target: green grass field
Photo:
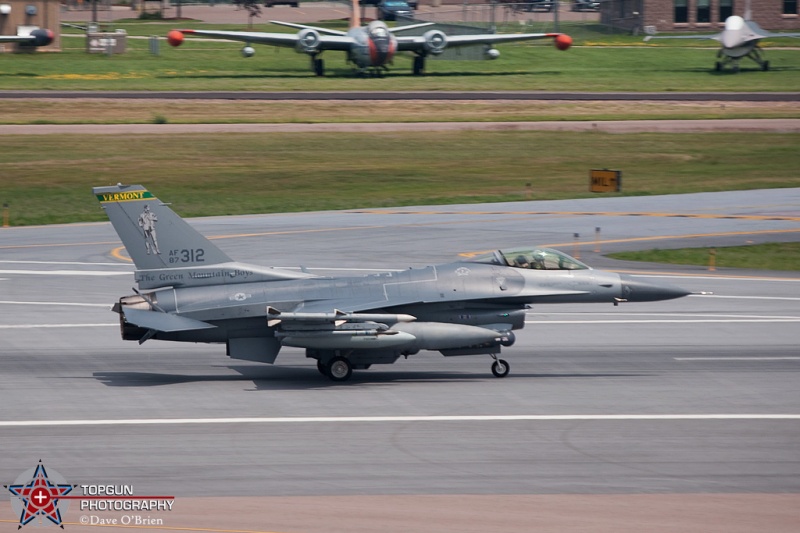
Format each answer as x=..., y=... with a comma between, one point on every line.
x=598, y=62
x=47, y=178
x=774, y=256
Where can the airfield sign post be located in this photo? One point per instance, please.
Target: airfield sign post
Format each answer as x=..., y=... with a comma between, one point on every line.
x=605, y=180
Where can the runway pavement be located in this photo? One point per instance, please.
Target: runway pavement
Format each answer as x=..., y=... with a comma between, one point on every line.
x=673, y=416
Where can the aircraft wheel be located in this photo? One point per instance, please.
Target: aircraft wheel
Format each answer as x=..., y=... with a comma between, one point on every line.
x=500, y=368
x=322, y=367
x=340, y=369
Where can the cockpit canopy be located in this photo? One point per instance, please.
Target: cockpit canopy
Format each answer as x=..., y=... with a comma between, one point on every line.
x=377, y=29
x=531, y=258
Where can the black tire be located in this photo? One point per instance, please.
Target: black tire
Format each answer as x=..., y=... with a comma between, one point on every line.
x=500, y=368
x=340, y=369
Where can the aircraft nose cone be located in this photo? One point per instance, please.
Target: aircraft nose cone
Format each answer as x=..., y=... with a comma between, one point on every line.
x=636, y=290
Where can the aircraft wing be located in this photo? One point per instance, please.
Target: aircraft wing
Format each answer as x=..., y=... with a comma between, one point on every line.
x=354, y=305
x=306, y=27
x=15, y=38
x=289, y=40
x=714, y=36
x=162, y=321
x=38, y=37
x=415, y=43
x=774, y=35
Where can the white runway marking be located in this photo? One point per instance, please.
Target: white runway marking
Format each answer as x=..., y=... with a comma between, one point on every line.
x=716, y=278
x=35, y=326
x=746, y=297
x=65, y=272
x=368, y=419
x=736, y=358
x=63, y=263
x=768, y=320
x=657, y=318
x=49, y=304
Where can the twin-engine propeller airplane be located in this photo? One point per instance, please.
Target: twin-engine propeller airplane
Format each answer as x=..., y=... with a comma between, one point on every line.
x=739, y=39
x=370, y=47
x=191, y=291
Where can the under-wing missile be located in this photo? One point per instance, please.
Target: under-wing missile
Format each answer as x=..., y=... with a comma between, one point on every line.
x=337, y=317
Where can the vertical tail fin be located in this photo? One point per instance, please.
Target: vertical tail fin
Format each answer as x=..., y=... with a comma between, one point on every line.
x=355, y=17
x=154, y=235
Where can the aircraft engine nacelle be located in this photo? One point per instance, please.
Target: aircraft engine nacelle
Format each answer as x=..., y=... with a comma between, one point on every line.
x=41, y=37
x=492, y=53
x=248, y=51
x=435, y=42
x=308, y=41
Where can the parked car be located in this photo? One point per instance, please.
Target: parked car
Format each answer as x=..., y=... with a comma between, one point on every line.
x=292, y=3
x=391, y=9
x=539, y=5
x=585, y=5
x=413, y=3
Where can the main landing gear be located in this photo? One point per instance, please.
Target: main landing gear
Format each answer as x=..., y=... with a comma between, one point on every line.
x=419, y=65
x=756, y=54
x=337, y=369
x=318, y=66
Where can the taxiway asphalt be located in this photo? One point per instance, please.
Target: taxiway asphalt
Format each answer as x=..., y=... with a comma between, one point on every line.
x=680, y=415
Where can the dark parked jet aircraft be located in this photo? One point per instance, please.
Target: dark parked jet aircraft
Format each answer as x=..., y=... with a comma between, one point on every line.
x=191, y=291
x=367, y=47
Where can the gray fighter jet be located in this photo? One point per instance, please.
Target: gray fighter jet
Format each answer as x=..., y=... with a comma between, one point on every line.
x=739, y=39
x=191, y=291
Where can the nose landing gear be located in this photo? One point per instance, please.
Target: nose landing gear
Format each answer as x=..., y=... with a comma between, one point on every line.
x=500, y=367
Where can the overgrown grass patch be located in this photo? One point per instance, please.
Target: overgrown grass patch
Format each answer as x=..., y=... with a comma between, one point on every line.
x=773, y=256
x=48, y=178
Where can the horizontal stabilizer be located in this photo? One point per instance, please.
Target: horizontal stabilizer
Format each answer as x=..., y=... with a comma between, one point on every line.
x=165, y=322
